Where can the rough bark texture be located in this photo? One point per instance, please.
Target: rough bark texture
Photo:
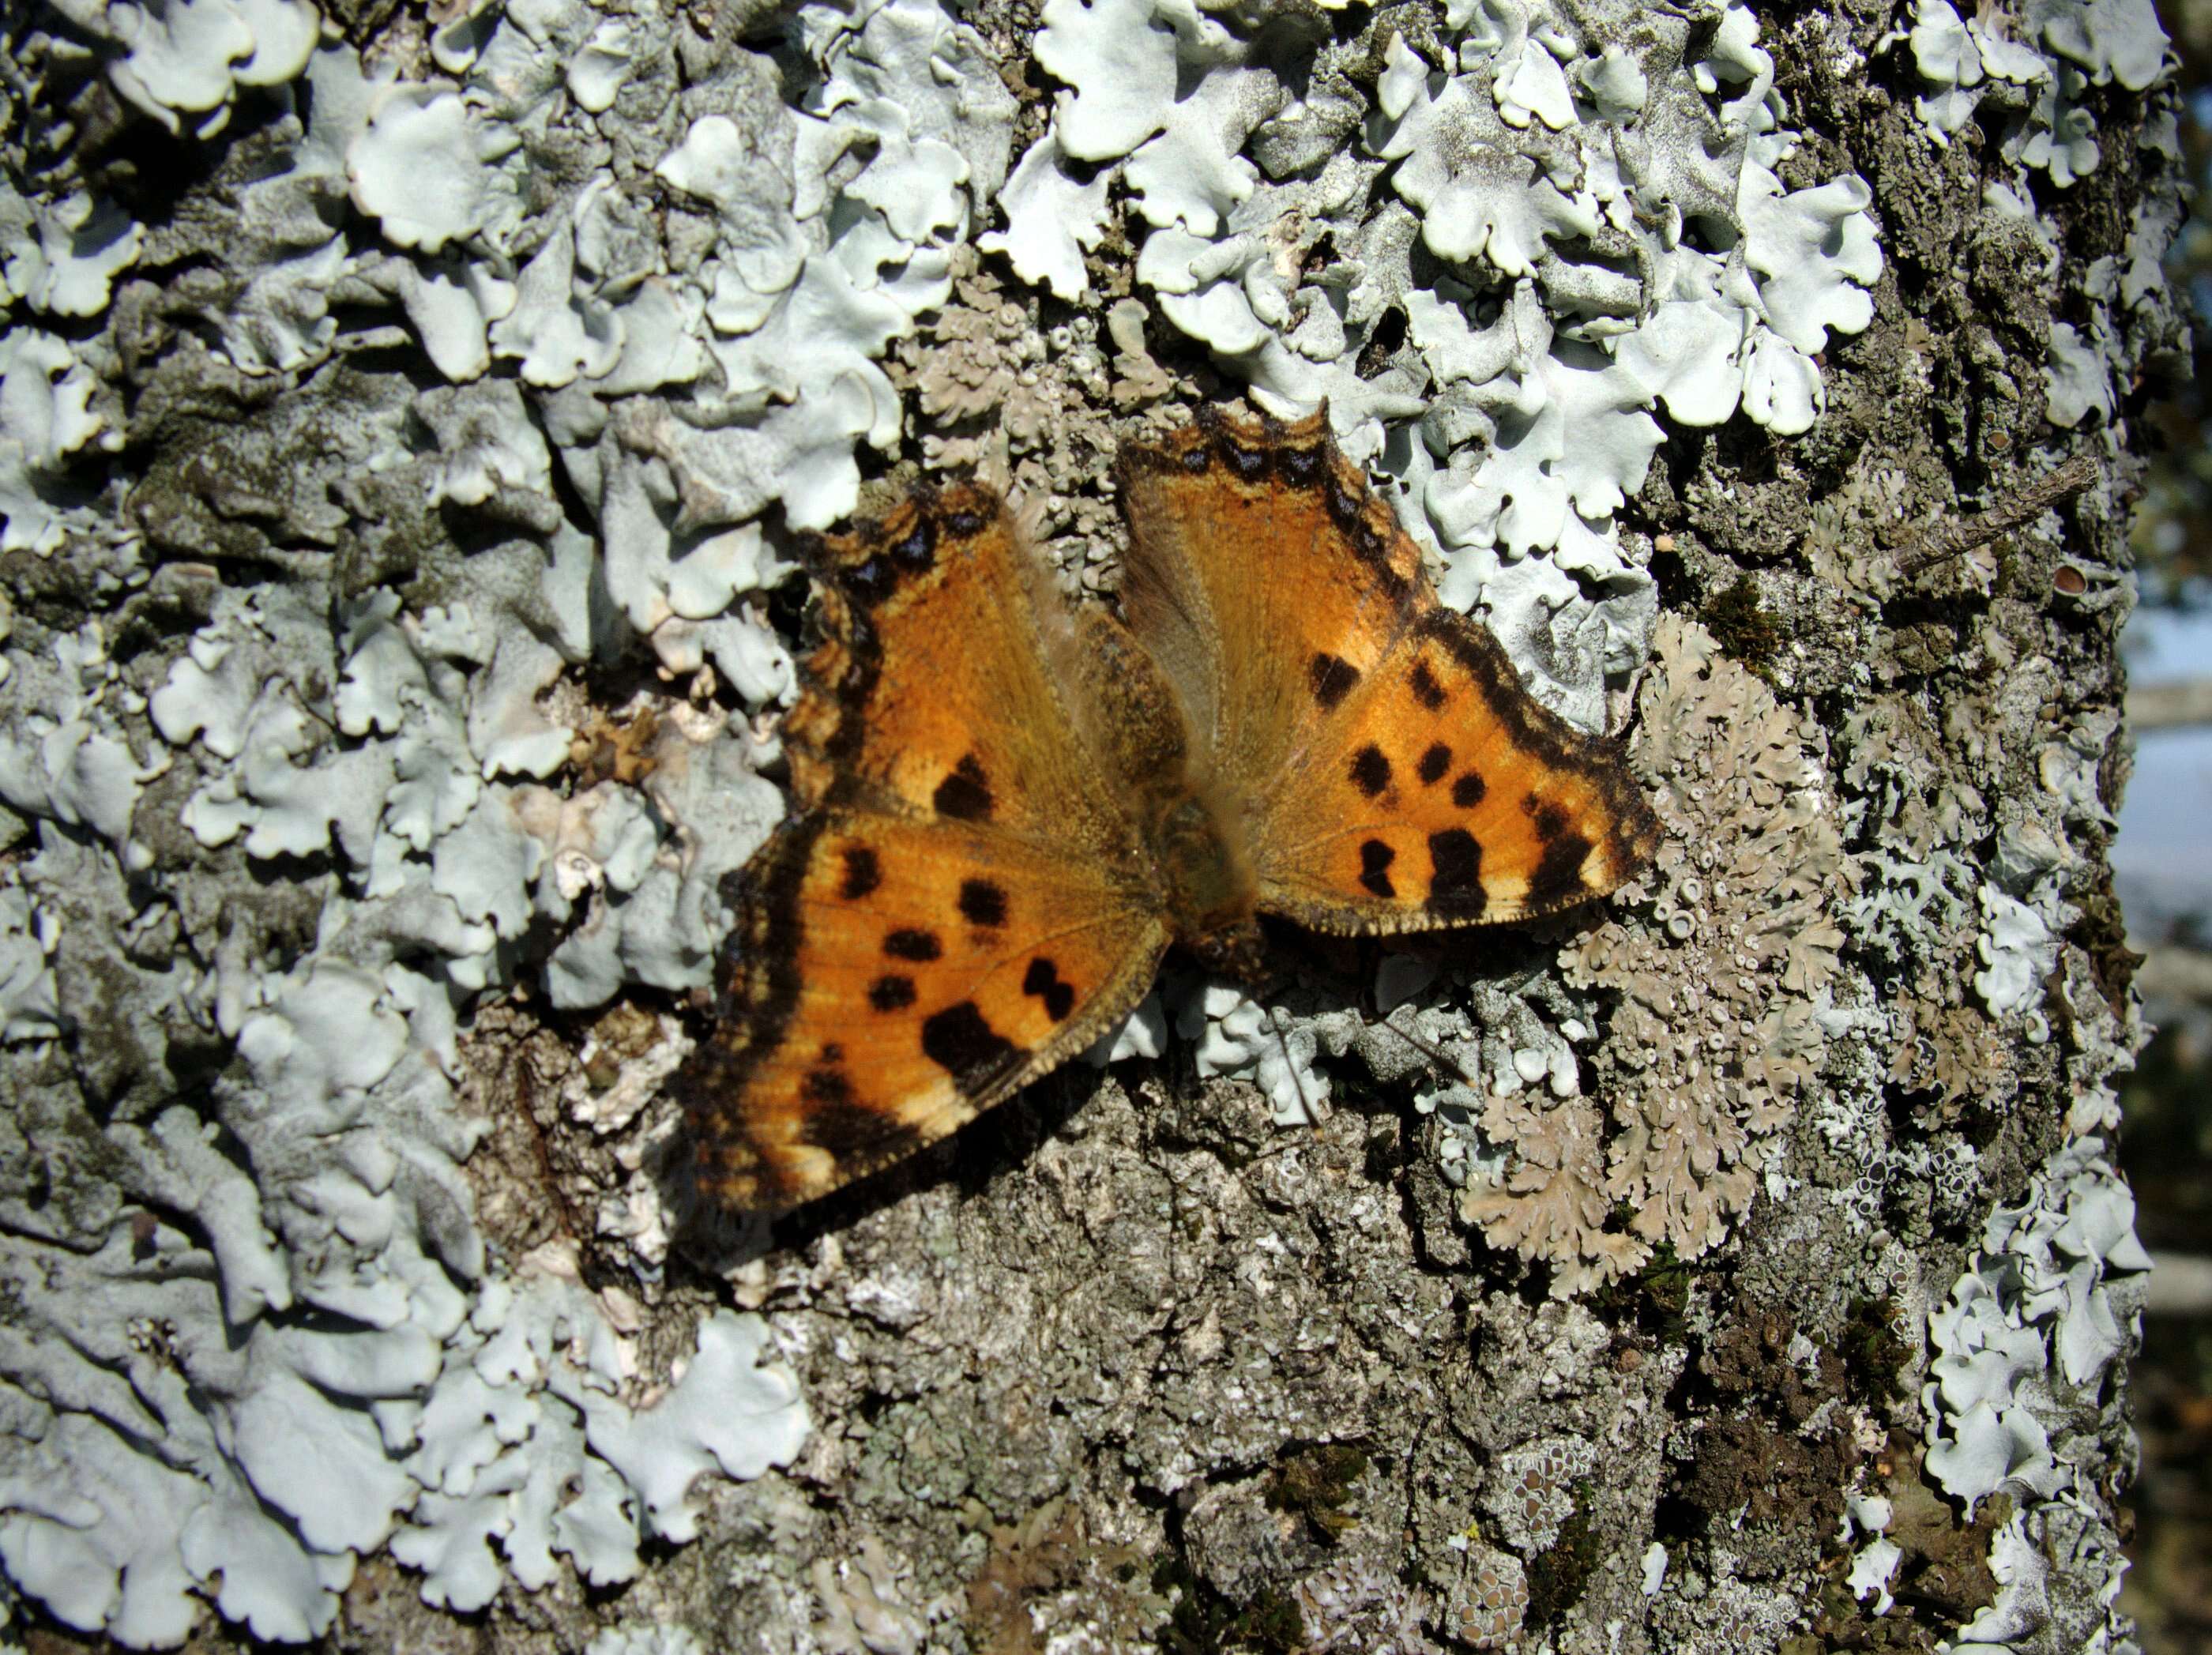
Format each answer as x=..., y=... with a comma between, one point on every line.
x=1129, y=1365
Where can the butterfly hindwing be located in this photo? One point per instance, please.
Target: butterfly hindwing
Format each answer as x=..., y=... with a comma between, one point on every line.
x=896, y=977
x=1443, y=794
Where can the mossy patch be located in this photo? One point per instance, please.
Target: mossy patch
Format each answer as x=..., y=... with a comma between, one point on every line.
x=1205, y=1622
x=1874, y=1355
x=1315, y=1483
x=1745, y=627
x=1559, y=1575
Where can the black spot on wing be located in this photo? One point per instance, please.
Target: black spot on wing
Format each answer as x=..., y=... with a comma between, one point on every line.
x=1548, y=819
x=1250, y=464
x=1378, y=542
x=1375, y=551
x=1042, y=980
x=1248, y=461
x=982, y=902
x=918, y=945
x=1332, y=679
x=870, y=582
x=1370, y=771
x=854, y=1133
x=919, y=549
x=1467, y=791
x=1426, y=690
x=1632, y=832
x=863, y=872
x=965, y=795
x=1559, y=875
x=1455, y=873
x=1343, y=505
x=891, y=993
x=1374, y=859
x=823, y=1088
x=1300, y=467
x=1434, y=763
x=960, y=1040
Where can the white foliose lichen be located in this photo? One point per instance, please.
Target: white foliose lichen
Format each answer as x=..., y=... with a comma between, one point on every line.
x=1238, y=1035
x=296, y=1260
x=45, y=416
x=267, y=1337
x=1874, y=1564
x=30, y=1004
x=182, y=61
x=2044, y=1307
x=2033, y=65
x=647, y=1640
x=2051, y=1297
x=63, y=257
x=1601, y=233
x=524, y=1443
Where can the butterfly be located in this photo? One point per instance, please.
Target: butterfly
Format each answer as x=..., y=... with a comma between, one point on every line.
x=1008, y=806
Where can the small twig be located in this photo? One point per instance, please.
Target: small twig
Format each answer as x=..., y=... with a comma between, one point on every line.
x=2170, y=706
x=1290, y=1062
x=1435, y=1054
x=1942, y=542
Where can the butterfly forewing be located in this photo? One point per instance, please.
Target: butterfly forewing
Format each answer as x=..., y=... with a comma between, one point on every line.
x=931, y=692
x=1267, y=580
x=1388, y=770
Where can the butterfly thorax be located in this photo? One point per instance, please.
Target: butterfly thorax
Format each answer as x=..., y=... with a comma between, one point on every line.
x=1190, y=831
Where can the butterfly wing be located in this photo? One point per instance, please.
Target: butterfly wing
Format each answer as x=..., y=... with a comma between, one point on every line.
x=960, y=904
x=1267, y=579
x=934, y=691
x=896, y=978
x=1392, y=773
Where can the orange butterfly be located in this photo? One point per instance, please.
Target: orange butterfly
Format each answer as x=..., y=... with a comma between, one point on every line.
x=1009, y=807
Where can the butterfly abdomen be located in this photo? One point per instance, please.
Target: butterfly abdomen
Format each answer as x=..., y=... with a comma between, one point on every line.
x=1209, y=890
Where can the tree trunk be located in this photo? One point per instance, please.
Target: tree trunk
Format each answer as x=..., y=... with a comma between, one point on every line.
x=411, y=427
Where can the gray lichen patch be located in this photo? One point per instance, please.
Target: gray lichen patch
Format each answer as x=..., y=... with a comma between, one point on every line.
x=1722, y=956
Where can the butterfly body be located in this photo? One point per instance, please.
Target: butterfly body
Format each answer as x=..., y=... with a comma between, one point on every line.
x=1008, y=808
x=1207, y=889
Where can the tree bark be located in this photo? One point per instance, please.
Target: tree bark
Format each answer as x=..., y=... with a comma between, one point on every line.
x=396, y=645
